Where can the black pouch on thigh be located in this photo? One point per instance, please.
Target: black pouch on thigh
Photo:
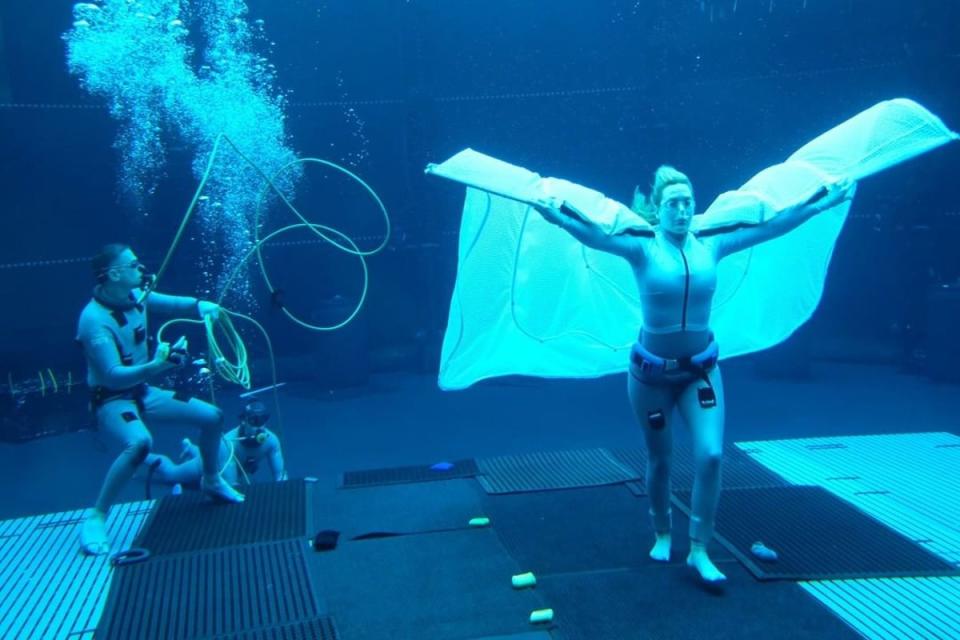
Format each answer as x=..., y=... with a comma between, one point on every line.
x=707, y=397
x=656, y=419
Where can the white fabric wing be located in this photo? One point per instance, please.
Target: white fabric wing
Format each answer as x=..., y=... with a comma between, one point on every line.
x=529, y=299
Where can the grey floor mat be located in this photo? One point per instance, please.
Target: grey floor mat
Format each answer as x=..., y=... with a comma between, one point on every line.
x=441, y=586
x=665, y=602
x=399, y=508
x=587, y=529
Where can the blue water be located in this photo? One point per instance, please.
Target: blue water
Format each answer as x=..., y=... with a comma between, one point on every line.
x=600, y=95
x=107, y=125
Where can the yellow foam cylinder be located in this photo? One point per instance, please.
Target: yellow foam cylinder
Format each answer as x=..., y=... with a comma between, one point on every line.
x=480, y=522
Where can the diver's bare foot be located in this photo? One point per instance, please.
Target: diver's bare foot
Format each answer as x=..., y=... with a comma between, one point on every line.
x=700, y=561
x=661, y=548
x=219, y=491
x=188, y=450
x=93, y=535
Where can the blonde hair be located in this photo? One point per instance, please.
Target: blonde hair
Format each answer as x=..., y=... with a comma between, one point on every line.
x=647, y=207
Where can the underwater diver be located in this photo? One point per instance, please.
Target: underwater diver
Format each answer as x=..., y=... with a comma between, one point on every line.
x=673, y=364
x=242, y=451
x=113, y=333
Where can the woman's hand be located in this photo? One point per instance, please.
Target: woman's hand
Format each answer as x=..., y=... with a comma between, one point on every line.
x=549, y=208
x=837, y=192
x=548, y=204
x=639, y=201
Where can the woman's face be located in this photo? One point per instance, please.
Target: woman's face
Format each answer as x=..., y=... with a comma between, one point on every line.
x=677, y=207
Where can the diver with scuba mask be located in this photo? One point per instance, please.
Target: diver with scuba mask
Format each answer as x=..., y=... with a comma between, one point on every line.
x=113, y=333
x=242, y=451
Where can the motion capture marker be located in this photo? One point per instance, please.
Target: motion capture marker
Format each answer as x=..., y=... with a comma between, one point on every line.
x=524, y=580
x=541, y=616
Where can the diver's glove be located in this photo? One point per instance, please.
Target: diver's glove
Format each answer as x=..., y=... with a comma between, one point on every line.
x=178, y=354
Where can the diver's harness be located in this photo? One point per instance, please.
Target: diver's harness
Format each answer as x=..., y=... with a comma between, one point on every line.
x=100, y=396
x=649, y=368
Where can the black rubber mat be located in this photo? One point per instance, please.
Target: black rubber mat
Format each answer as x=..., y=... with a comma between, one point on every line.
x=552, y=470
x=421, y=473
x=441, y=586
x=191, y=522
x=740, y=470
x=226, y=593
x=817, y=536
x=587, y=529
x=666, y=602
x=399, y=508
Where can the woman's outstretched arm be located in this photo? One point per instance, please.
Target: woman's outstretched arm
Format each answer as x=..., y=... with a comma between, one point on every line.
x=744, y=237
x=627, y=243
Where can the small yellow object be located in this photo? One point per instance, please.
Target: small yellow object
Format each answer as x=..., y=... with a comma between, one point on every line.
x=479, y=522
x=524, y=580
x=541, y=615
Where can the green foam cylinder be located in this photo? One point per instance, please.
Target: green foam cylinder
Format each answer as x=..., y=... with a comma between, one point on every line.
x=524, y=580
x=541, y=615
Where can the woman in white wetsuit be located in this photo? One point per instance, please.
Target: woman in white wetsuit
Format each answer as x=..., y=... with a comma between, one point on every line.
x=674, y=363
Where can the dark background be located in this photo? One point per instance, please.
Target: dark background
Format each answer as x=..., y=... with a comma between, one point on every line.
x=598, y=92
